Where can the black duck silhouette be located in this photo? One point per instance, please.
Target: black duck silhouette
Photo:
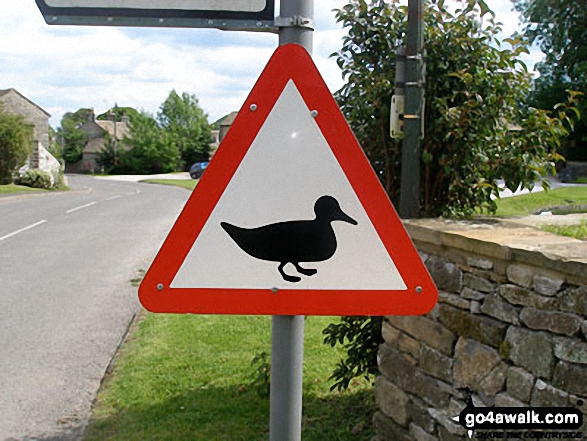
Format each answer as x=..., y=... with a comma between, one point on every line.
x=293, y=241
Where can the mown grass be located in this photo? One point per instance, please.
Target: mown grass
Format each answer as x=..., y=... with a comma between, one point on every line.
x=13, y=188
x=190, y=184
x=186, y=377
x=527, y=204
x=577, y=231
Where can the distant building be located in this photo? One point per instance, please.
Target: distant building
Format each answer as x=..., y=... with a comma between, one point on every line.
x=98, y=132
x=219, y=134
x=16, y=103
x=225, y=124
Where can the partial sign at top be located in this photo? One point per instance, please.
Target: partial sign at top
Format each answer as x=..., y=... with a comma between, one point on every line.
x=229, y=14
x=289, y=218
x=189, y=5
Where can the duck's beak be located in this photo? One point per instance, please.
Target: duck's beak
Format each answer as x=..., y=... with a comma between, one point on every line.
x=346, y=218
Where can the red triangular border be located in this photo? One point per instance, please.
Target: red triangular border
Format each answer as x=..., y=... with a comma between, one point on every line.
x=289, y=62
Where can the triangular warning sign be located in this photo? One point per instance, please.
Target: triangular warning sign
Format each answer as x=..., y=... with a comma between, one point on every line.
x=289, y=218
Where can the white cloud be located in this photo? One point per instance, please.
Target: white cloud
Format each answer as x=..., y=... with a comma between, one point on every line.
x=64, y=68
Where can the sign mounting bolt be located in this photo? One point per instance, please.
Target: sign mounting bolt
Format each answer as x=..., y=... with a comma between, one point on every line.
x=160, y=287
x=418, y=289
x=274, y=290
x=314, y=113
x=253, y=107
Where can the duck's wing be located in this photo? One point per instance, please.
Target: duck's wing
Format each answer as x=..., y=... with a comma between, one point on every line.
x=291, y=241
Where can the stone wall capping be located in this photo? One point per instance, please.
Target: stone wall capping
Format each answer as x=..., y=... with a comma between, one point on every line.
x=491, y=238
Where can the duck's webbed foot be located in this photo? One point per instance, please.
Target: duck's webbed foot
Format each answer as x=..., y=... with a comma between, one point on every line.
x=304, y=271
x=287, y=277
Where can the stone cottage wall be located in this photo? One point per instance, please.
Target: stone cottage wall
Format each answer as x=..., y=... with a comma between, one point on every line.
x=15, y=103
x=510, y=325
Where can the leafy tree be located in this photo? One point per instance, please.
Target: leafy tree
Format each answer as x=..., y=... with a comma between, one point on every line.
x=71, y=137
x=150, y=149
x=187, y=125
x=560, y=29
x=131, y=113
x=54, y=146
x=16, y=145
x=478, y=126
x=476, y=90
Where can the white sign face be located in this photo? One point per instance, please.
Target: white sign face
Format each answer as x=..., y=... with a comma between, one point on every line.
x=288, y=167
x=189, y=5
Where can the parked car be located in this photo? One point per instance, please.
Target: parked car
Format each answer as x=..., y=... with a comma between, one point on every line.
x=198, y=169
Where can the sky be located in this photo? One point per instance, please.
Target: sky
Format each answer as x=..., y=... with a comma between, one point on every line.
x=65, y=68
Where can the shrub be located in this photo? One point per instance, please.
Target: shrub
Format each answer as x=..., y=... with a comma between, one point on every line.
x=15, y=144
x=36, y=179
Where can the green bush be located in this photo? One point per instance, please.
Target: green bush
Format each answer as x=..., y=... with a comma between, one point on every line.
x=35, y=178
x=361, y=338
x=15, y=144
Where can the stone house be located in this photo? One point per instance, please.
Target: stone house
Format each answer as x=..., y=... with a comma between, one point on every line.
x=225, y=124
x=219, y=134
x=98, y=132
x=14, y=102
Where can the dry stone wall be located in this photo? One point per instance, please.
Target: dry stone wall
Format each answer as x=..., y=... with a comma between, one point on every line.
x=510, y=325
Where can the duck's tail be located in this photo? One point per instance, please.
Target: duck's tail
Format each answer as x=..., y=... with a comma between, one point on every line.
x=232, y=230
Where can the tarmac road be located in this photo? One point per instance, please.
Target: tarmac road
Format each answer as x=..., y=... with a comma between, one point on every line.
x=66, y=261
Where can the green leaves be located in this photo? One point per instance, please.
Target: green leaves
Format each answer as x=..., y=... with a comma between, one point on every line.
x=478, y=127
x=187, y=125
x=16, y=145
x=361, y=337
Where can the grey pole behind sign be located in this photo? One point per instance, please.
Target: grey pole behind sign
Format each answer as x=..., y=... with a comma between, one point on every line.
x=287, y=332
x=409, y=202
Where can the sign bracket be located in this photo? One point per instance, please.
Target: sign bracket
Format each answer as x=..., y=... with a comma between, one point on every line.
x=297, y=21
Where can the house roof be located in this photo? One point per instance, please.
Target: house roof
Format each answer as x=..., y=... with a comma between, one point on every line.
x=94, y=145
x=7, y=91
x=122, y=129
x=228, y=119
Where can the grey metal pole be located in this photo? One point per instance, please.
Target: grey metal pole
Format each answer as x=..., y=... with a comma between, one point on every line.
x=287, y=332
x=409, y=205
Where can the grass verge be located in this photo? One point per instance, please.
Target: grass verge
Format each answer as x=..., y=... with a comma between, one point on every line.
x=527, y=204
x=190, y=377
x=577, y=231
x=13, y=188
x=190, y=184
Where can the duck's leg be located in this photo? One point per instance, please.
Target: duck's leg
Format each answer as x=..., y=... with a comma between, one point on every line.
x=287, y=277
x=304, y=271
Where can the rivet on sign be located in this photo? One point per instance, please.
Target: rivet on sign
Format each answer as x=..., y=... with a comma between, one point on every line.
x=418, y=289
x=274, y=290
x=314, y=113
x=253, y=107
x=160, y=287
x=161, y=20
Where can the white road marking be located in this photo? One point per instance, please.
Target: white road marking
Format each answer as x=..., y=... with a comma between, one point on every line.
x=80, y=207
x=22, y=229
x=111, y=198
x=137, y=191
